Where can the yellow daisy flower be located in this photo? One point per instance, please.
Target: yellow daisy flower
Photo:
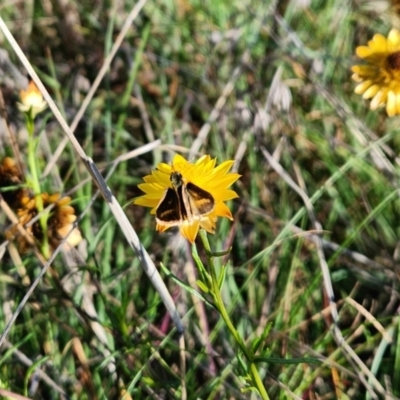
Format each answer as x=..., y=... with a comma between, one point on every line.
x=187, y=195
x=379, y=78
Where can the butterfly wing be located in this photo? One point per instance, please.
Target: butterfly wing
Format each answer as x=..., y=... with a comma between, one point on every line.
x=199, y=201
x=169, y=210
x=184, y=202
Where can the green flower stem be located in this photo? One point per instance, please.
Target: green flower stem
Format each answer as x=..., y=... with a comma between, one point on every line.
x=36, y=184
x=219, y=304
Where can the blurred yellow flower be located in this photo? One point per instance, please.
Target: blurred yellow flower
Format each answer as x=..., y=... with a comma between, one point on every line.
x=379, y=78
x=31, y=100
x=187, y=195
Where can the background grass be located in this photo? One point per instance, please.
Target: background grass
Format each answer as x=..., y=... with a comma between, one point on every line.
x=95, y=327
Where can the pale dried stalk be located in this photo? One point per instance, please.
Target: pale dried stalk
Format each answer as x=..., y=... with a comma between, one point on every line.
x=112, y=202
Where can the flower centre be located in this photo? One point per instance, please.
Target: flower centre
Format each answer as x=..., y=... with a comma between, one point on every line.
x=393, y=61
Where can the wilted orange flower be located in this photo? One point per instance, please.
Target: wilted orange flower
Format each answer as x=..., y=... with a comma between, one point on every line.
x=10, y=179
x=31, y=100
x=187, y=195
x=379, y=78
x=61, y=219
x=59, y=223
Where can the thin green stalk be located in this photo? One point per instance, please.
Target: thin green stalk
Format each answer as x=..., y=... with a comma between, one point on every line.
x=36, y=184
x=219, y=304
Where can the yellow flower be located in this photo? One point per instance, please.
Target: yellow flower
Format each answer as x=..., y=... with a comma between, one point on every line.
x=187, y=195
x=31, y=100
x=379, y=78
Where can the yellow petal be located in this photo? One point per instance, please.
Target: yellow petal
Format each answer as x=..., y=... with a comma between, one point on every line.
x=178, y=159
x=164, y=168
x=376, y=101
x=378, y=43
x=394, y=39
x=222, y=183
x=145, y=202
x=152, y=188
x=222, y=210
x=363, y=51
x=149, y=179
x=398, y=104
x=65, y=200
x=74, y=238
x=162, y=178
x=371, y=91
x=208, y=223
x=223, y=168
x=225, y=195
x=189, y=231
x=161, y=227
x=71, y=218
x=204, y=160
x=391, y=104
x=362, y=87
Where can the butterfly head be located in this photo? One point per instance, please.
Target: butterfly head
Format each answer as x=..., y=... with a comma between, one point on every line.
x=176, y=180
